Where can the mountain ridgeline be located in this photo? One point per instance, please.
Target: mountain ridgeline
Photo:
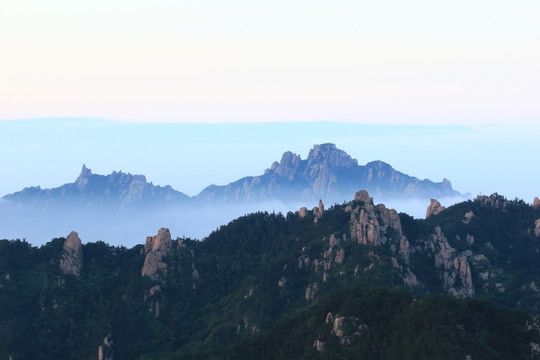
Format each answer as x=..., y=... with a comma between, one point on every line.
x=328, y=173
x=354, y=281
x=117, y=190
x=126, y=205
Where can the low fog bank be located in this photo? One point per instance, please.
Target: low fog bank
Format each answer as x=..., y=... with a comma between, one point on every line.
x=120, y=227
x=131, y=227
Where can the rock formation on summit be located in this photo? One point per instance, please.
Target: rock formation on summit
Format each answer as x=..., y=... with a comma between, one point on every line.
x=369, y=222
x=72, y=256
x=434, y=208
x=156, y=249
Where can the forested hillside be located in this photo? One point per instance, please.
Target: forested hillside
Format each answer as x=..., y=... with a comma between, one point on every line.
x=356, y=280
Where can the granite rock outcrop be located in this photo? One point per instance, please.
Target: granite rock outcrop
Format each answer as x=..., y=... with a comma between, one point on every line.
x=156, y=249
x=71, y=261
x=455, y=269
x=434, y=208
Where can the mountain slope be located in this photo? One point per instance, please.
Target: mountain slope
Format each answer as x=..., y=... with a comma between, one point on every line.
x=330, y=174
x=266, y=279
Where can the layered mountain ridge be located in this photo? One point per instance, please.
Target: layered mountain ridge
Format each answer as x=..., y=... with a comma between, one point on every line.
x=328, y=173
x=118, y=188
x=119, y=206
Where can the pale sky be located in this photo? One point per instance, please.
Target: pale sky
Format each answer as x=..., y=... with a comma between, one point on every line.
x=397, y=62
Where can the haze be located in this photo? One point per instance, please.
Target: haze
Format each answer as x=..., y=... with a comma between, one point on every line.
x=194, y=93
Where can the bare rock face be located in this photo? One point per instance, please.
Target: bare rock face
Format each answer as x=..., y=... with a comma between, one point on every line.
x=536, y=203
x=369, y=223
x=288, y=166
x=321, y=208
x=318, y=345
x=434, y=208
x=311, y=291
x=82, y=180
x=492, y=200
x=156, y=248
x=105, y=351
x=303, y=212
x=321, y=162
x=468, y=217
x=537, y=227
x=72, y=256
x=363, y=196
x=456, y=275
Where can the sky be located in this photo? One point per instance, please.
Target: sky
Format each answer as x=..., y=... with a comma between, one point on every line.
x=191, y=93
x=394, y=62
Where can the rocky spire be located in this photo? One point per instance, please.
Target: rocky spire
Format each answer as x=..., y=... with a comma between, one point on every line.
x=82, y=180
x=434, y=208
x=330, y=155
x=156, y=248
x=72, y=256
x=536, y=202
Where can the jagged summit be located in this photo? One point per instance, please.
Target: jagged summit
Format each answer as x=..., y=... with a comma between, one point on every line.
x=328, y=155
x=82, y=179
x=116, y=189
x=328, y=173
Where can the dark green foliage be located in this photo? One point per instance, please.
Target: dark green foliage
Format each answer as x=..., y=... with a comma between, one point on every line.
x=242, y=293
x=394, y=326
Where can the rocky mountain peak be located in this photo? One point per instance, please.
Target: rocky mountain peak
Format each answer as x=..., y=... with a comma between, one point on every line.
x=536, y=202
x=72, y=256
x=328, y=155
x=288, y=166
x=82, y=179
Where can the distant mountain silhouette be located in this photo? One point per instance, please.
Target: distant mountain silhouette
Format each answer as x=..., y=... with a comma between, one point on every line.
x=118, y=188
x=119, y=206
x=328, y=173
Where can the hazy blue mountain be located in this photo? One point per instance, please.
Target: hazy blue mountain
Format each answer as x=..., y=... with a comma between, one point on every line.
x=118, y=188
x=330, y=174
x=120, y=206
